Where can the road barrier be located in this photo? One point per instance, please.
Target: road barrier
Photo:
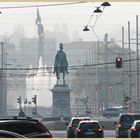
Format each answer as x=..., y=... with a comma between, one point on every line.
x=61, y=125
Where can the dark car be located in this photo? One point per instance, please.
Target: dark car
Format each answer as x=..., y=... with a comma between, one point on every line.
x=89, y=129
x=124, y=123
x=9, y=134
x=73, y=124
x=27, y=127
x=134, y=131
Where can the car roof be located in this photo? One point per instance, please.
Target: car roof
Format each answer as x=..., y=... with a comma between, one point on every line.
x=80, y=117
x=129, y=114
x=85, y=121
x=136, y=121
x=19, y=118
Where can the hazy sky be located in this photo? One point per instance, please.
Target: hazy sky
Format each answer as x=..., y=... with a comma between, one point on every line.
x=75, y=16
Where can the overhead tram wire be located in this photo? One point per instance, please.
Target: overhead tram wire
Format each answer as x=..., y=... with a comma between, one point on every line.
x=70, y=67
x=42, y=5
x=47, y=73
x=92, y=27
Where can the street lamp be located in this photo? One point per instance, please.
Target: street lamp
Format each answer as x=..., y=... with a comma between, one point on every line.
x=86, y=28
x=106, y=4
x=98, y=13
x=98, y=10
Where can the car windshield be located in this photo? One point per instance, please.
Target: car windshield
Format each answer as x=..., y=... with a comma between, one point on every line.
x=112, y=109
x=93, y=125
x=75, y=122
x=21, y=128
x=129, y=118
x=138, y=124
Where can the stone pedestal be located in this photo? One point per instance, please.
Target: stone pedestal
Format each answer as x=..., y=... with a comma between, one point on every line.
x=61, y=101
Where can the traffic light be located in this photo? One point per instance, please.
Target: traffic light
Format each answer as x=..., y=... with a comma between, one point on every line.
x=118, y=62
x=19, y=100
x=25, y=101
x=127, y=98
x=34, y=99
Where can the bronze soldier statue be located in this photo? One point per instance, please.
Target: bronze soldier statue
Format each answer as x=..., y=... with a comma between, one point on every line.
x=61, y=64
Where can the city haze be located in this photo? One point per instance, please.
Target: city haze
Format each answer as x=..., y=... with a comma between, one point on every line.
x=74, y=17
x=32, y=71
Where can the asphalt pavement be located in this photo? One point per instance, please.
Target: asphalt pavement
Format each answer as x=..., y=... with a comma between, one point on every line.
x=63, y=134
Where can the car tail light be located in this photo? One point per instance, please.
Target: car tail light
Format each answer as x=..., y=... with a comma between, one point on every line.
x=119, y=125
x=133, y=129
x=50, y=135
x=70, y=126
x=99, y=129
x=77, y=129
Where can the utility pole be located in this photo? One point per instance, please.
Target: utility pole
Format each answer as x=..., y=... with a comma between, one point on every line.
x=86, y=58
x=3, y=91
x=5, y=85
x=25, y=103
x=96, y=61
x=106, y=73
x=19, y=101
x=137, y=48
x=123, y=73
x=92, y=55
x=89, y=56
x=130, y=77
x=97, y=80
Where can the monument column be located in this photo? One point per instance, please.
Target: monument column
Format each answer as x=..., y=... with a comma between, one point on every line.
x=61, y=101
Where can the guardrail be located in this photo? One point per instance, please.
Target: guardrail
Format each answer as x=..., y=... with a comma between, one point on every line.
x=61, y=125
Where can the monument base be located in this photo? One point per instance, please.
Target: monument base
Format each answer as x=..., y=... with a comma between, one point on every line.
x=61, y=101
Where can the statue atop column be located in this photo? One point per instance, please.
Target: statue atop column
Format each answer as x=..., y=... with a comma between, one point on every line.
x=60, y=64
x=39, y=25
x=40, y=34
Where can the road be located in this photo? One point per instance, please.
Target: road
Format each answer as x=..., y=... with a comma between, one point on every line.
x=62, y=134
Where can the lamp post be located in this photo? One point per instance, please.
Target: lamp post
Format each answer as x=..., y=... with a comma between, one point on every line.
x=29, y=105
x=96, y=95
x=25, y=103
x=86, y=28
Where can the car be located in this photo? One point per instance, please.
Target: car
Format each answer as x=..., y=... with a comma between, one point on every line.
x=73, y=124
x=89, y=129
x=9, y=134
x=134, y=131
x=124, y=123
x=112, y=112
x=28, y=127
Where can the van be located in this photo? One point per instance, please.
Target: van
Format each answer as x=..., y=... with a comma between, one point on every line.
x=124, y=123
